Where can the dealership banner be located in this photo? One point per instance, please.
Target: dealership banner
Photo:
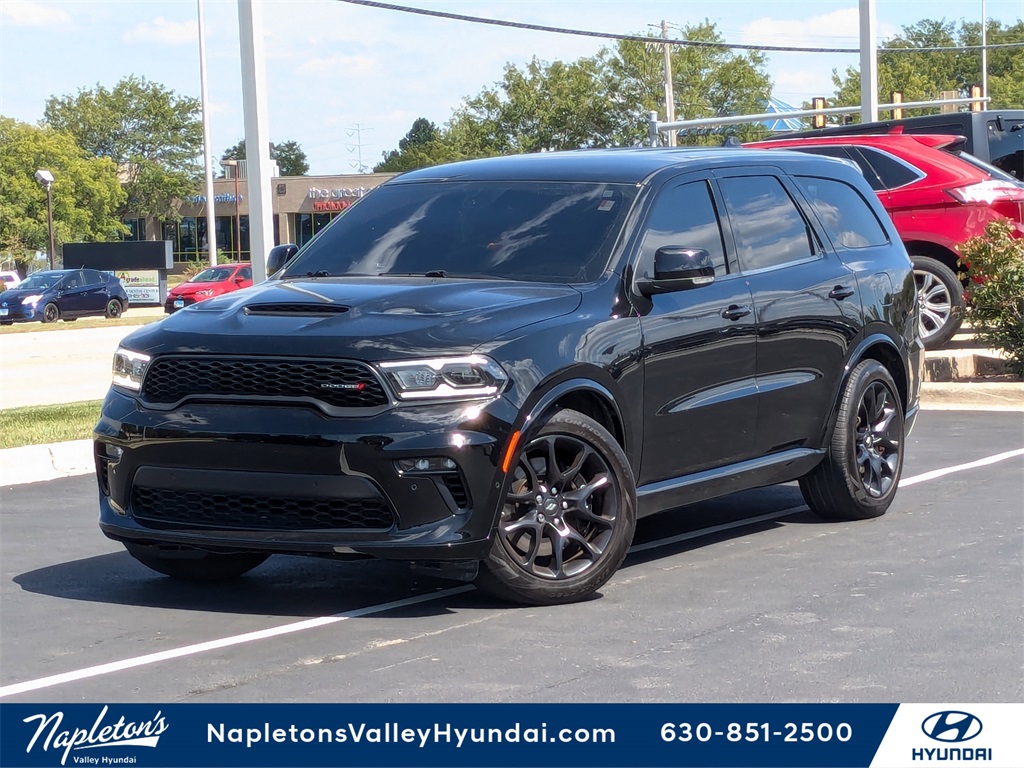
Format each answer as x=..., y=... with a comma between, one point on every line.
x=564, y=735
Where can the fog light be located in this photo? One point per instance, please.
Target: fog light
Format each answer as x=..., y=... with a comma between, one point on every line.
x=114, y=452
x=425, y=464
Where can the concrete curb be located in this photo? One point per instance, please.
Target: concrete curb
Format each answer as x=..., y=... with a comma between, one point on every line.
x=38, y=463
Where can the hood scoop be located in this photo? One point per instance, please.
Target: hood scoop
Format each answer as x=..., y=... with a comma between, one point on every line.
x=295, y=309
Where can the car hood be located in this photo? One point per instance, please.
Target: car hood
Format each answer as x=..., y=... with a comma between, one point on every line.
x=186, y=289
x=373, y=318
x=15, y=295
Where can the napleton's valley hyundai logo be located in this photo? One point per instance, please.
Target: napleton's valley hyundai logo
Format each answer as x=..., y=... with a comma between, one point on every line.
x=51, y=734
x=951, y=726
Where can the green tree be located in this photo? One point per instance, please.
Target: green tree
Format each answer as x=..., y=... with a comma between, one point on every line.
x=598, y=101
x=86, y=193
x=291, y=160
x=922, y=75
x=153, y=136
x=707, y=82
x=419, y=148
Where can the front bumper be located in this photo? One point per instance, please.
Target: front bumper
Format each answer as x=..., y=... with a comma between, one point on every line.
x=275, y=478
x=170, y=306
x=19, y=313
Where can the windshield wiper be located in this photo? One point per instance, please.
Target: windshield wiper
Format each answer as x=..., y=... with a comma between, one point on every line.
x=428, y=273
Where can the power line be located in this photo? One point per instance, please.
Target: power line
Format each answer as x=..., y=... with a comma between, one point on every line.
x=647, y=39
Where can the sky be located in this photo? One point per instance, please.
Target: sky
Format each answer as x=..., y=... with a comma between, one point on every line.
x=346, y=82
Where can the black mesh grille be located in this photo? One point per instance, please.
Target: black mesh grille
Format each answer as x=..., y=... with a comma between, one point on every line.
x=103, y=473
x=304, y=310
x=340, y=384
x=161, y=508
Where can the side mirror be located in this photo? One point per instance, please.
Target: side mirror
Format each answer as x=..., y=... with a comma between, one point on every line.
x=677, y=268
x=279, y=257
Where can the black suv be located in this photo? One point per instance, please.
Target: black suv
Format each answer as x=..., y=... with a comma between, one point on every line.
x=493, y=368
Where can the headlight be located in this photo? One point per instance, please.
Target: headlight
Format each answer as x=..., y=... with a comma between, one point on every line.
x=205, y=292
x=31, y=300
x=445, y=377
x=129, y=368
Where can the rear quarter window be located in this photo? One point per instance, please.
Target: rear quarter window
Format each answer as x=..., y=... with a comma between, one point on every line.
x=847, y=217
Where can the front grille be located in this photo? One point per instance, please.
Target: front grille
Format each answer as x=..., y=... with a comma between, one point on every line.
x=162, y=508
x=302, y=310
x=103, y=472
x=171, y=379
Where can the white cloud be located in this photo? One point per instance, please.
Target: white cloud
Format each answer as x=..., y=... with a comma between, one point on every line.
x=838, y=29
x=160, y=30
x=341, y=65
x=27, y=13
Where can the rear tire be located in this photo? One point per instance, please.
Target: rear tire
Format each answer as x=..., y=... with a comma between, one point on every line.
x=114, y=309
x=568, y=519
x=941, y=298
x=194, y=564
x=860, y=473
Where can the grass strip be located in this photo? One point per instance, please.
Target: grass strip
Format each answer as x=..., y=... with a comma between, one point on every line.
x=37, y=424
x=85, y=322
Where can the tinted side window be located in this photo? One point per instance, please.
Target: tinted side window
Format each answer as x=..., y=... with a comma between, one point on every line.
x=92, y=277
x=849, y=220
x=245, y=273
x=685, y=216
x=768, y=227
x=1006, y=147
x=891, y=171
x=840, y=152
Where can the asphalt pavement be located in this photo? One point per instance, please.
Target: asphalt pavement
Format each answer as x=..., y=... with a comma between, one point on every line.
x=745, y=599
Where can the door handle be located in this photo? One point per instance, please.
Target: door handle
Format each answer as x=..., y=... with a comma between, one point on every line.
x=735, y=312
x=841, y=292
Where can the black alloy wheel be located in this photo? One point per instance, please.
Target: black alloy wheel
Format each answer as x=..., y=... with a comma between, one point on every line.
x=50, y=313
x=860, y=473
x=878, y=440
x=113, y=308
x=568, y=518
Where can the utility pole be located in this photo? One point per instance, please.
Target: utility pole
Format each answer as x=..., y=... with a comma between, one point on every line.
x=670, y=102
x=984, y=51
x=868, y=62
x=357, y=131
x=211, y=220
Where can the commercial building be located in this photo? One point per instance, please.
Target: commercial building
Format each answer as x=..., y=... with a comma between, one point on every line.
x=303, y=205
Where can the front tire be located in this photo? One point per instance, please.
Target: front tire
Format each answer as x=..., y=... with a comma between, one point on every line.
x=568, y=519
x=194, y=564
x=941, y=298
x=859, y=475
x=50, y=313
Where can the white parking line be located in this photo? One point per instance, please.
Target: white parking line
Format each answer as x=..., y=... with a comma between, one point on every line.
x=301, y=626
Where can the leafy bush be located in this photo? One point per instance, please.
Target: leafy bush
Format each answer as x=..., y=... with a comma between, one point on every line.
x=995, y=297
x=198, y=265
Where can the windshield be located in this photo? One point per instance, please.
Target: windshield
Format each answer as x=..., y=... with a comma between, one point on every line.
x=41, y=281
x=213, y=275
x=514, y=230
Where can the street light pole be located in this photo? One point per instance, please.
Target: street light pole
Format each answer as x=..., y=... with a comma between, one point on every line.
x=45, y=178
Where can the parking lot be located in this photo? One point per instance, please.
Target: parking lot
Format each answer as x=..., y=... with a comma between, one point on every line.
x=749, y=598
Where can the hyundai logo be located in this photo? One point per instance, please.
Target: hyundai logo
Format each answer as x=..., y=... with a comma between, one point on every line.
x=951, y=726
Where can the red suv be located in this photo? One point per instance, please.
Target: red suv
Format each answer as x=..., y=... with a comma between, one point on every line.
x=938, y=198
x=209, y=283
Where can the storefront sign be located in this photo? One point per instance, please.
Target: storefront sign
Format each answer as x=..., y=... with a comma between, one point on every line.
x=227, y=197
x=323, y=206
x=142, y=287
x=336, y=194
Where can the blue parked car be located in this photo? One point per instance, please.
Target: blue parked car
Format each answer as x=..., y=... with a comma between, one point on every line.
x=63, y=294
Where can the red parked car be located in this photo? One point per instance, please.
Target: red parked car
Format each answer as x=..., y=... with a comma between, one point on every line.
x=211, y=282
x=938, y=198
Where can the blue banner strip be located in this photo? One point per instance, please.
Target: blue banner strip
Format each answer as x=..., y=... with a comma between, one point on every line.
x=386, y=735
